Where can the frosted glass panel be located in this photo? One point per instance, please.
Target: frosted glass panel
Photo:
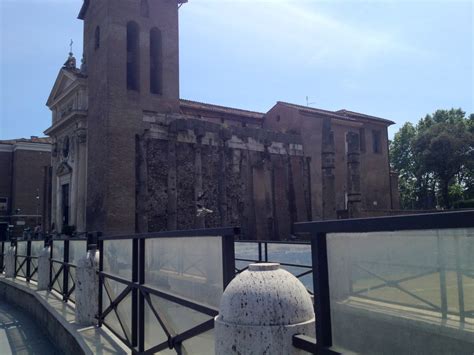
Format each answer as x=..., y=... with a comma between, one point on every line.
x=154, y=333
x=36, y=248
x=21, y=248
x=403, y=292
x=186, y=267
x=118, y=258
x=200, y=344
x=290, y=253
x=77, y=250
x=58, y=249
x=119, y=319
x=246, y=250
x=58, y=284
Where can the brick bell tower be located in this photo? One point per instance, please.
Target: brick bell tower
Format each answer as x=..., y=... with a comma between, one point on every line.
x=131, y=53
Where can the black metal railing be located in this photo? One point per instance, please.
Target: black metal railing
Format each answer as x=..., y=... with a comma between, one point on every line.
x=293, y=256
x=26, y=258
x=63, y=265
x=159, y=290
x=345, y=229
x=2, y=255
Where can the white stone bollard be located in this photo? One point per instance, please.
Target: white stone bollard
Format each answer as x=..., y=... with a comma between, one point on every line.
x=43, y=269
x=87, y=288
x=10, y=262
x=261, y=310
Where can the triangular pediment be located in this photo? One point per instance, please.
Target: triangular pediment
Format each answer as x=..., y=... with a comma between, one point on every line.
x=63, y=83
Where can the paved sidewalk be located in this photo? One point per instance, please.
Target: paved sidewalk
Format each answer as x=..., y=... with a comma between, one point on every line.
x=19, y=334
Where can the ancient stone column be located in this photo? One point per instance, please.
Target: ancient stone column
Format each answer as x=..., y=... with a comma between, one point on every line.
x=354, y=198
x=87, y=288
x=10, y=262
x=328, y=165
x=261, y=309
x=43, y=269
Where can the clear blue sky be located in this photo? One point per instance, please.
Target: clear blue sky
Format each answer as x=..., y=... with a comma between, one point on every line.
x=396, y=59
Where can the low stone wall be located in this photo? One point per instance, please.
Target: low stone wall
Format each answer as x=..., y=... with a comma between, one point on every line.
x=43, y=315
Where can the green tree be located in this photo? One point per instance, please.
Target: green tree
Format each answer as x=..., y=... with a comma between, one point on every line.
x=435, y=156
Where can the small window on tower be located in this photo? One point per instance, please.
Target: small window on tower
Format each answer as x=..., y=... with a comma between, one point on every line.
x=144, y=8
x=376, y=142
x=97, y=37
x=133, y=58
x=156, y=66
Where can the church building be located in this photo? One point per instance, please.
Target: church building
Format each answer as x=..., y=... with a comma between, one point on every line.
x=129, y=155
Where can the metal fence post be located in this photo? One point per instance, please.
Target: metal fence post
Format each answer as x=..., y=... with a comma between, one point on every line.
x=101, y=281
x=135, y=260
x=141, y=298
x=50, y=242
x=66, y=270
x=1, y=257
x=322, y=307
x=15, y=244
x=28, y=260
x=228, y=257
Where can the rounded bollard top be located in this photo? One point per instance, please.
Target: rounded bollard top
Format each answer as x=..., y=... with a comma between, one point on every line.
x=266, y=295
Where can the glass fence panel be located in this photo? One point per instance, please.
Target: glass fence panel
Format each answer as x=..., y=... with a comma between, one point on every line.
x=402, y=290
x=72, y=282
x=299, y=254
x=77, y=250
x=186, y=267
x=36, y=248
x=245, y=250
x=118, y=258
x=58, y=249
x=21, y=248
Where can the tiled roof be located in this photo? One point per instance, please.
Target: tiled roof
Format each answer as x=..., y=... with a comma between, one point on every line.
x=348, y=113
x=200, y=106
x=340, y=114
x=33, y=139
x=316, y=111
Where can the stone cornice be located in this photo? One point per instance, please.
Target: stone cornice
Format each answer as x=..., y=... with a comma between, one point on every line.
x=38, y=147
x=57, y=126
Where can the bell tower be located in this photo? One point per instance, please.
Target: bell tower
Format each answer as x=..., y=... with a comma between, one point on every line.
x=131, y=52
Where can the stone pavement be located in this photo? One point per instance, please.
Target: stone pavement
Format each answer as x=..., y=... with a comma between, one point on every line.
x=19, y=334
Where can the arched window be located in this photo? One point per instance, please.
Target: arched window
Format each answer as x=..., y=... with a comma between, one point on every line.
x=133, y=56
x=156, y=65
x=144, y=8
x=97, y=38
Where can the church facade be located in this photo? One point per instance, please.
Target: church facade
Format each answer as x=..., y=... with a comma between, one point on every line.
x=129, y=155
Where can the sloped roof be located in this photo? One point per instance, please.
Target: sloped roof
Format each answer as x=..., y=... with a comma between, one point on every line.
x=340, y=114
x=205, y=107
x=33, y=139
x=315, y=110
x=348, y=113
x=82, y=12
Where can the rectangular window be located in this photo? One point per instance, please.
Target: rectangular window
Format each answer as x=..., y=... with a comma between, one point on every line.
x=3, y=204
x=376, y=142
x=362, y=139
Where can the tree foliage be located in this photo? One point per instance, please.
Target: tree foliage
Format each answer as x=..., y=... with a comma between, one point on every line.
x=435, y=160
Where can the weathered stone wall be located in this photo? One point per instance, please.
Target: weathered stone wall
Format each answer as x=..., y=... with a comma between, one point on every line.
x=246, y=177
